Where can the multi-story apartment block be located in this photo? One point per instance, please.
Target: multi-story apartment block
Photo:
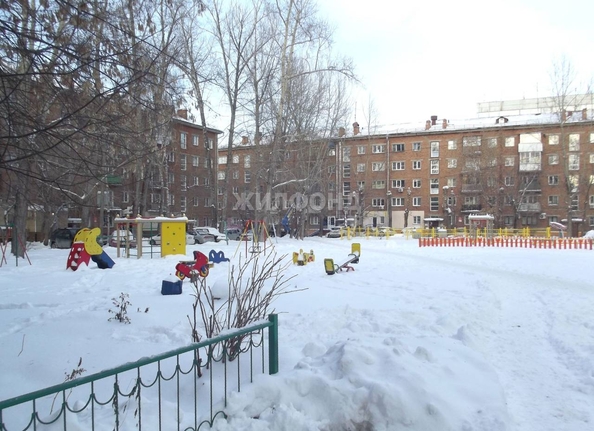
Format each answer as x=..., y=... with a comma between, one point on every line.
x=526, y=171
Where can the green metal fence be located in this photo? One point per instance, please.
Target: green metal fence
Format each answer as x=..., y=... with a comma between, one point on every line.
x=183, y=389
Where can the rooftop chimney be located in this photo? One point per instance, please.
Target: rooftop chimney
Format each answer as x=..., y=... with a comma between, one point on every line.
x=182, y=113
x=355, y=128
x=433, y=120
x=584, y=114
x=427, y=124
x=444, y=124
x=341, y=132
x=244, y=140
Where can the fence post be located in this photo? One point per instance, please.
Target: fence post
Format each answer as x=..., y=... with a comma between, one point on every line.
x=273, y=344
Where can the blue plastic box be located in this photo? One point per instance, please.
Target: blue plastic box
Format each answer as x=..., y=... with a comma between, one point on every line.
x=171, y=287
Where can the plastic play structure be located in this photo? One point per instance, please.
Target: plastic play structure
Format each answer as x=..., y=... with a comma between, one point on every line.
x=332, y=268
x=300, y=258
x=217, y=257
x=84, y=248
x=199, y=266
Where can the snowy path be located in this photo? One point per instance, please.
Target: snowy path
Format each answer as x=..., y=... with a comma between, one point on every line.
x=525, y=324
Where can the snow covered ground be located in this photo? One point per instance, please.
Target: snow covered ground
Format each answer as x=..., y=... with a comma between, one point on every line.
x=416, y=338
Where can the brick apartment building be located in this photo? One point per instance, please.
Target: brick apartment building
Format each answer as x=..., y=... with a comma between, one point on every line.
x=439, y=172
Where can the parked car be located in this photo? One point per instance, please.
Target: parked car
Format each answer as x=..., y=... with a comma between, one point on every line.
x=218, y=236
x=156, y=239
x=62, y=238
x=237, y=234
x=334, y=233
x=123, y=236
x=202, y=235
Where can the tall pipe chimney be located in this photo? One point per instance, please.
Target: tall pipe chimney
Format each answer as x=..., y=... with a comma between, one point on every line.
x=355, y=128
x=244, y=140
x=427, y=124
x=433, y=120
x=182, y=113
x=444, y=124
x=341, y=132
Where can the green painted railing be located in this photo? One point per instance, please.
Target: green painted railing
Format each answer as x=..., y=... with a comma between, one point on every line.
x=122, y=398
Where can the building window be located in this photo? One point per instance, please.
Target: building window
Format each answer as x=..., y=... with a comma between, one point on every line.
x=452, y=163
x=221, y=175
x=378, y=184
x=452, y=145
x=378, y=148
x=574, y=162
x=434, y=186
x=509, y=181
x=397, y=202
x=222, y=160
x=171, y=157
x=378, y=166
x=196, y=181
x=510, y=141
x=346, y=154
x=553, y=180
x=183, y=162
x=220, y=191
x=416, y=201
x=416, y=165
x=398, y=184
x=195, y=161
x=360, y=167
x=331, y=169
x=591, y=201
x=247, y=161
x=182, y=204
x=434, y=167
x=346, y=188
x=471, y=141
x=416, y=220
x=553, y=159
x=397, y=166
x=314, y=220
x=416, y=184
x=332, y=152
x=416, y=146
x=492, y=142
x=125, y=197
x=451, y=182
x=591, y=158
x=434, y=148
x=170, y=178
x=235, y=175
x=397, y=148
x=553, y=200
x=574, y=142
x=206, y=181
x=592, y=138
x=434, y=203
x=553, y=139
x=361, y=149
x=184, y=183
x=509, y=161
x=195, y=201
x=195, y=140
x=247, y=177
x=378, y=202
x=346, y=171
x=183, y=140
x=361, y=185
x=235, y=158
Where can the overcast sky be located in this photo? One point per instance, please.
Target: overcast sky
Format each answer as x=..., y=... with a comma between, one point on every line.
x=418, y=59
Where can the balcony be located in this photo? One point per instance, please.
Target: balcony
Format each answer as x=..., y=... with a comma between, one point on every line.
x=471, y=188
x=472, y=208
x=529, y=208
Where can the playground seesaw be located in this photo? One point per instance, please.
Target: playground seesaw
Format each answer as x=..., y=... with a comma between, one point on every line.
x=332, y=268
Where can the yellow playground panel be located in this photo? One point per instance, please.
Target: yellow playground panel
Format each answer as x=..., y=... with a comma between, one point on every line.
x=301, y=258
x=173, y=233
x=173, y=238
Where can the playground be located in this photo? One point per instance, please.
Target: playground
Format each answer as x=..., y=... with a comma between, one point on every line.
x=420, y=310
